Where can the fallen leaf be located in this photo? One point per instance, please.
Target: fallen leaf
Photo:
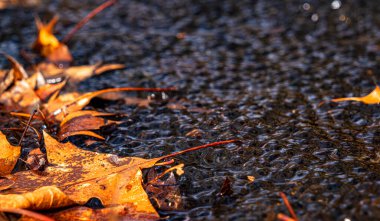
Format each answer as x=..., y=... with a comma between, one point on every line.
x=80, y=73
x=22, y=93
x=8, y=155
x=49, y=46
x=47, y=90
x=73, y=176
x=76, y=74
x=8, y=77
x=71, y=102
x=81, y=125
x=18, y=3
x=20, y=97
x=371, y=98
x=17, y=69
x=82, y=113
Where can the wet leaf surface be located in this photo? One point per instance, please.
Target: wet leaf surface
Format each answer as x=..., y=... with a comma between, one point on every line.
x=73, y=176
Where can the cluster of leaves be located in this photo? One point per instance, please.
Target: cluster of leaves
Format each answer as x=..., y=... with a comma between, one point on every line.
x=61, y=175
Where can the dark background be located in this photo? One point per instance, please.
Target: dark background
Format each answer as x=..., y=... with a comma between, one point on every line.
x=251, y=70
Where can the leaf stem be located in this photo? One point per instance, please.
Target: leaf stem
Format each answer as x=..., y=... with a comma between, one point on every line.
x=88, y=17
x=288, y=206
x=200, y=147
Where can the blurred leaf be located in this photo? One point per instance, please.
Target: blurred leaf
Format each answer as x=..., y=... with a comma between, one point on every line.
x=19, y=3
x=49, y=46
x=371, y=98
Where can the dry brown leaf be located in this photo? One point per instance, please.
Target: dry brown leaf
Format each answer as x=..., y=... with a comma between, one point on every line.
x=20, y=97
x=8, y=155
x=80, y=113
x=82, y=123
x=76, y=74
x=371, y=98
x=17, y=89
x=22, y=93
x=69, y=103
x=17, y=69
x=80, y=73
x=7, y=77
x=47, y=90
x=86, y=122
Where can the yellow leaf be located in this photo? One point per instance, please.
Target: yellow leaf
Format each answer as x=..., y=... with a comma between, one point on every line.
x=73, y=176
x=8, y=155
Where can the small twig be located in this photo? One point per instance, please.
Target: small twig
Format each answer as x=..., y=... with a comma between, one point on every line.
x=28, y=213
x=288, y=206
x=200, y=147
x=43, y=117
x=35, y=131
x=27, y=125
x=88, y=17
